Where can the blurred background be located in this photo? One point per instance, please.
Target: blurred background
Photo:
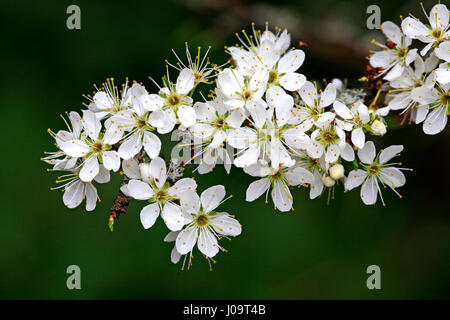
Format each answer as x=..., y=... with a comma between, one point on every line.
x=319, y=251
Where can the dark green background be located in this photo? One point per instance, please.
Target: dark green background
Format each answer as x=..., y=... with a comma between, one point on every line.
x=318, y=251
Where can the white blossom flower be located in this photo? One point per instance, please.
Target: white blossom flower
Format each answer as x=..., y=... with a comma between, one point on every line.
x=135, y=124
x=204, y=224
x=59, y=159
x=237, y=90
x=93, y=149
x=278, y=180
x=75, y=190
x=201, y=68
x=108, y=100
x=354, y=120
x=433, y=35
x=329, y=141
x=406, y=87
x=313, y=111
x=261, y=49
x=375, y=168
x=393, y=59
x=159, y=193
x=443, y=72
x=439, y=100
x=173, y=102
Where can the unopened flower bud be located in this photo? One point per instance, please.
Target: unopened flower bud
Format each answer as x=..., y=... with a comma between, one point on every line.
x=378, y=128
x=328, y=181
x=337, y=171
x=144, y=168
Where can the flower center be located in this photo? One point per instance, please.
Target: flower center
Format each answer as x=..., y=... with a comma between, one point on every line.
x=402, y=52
x=373, y=169
x=328, y=136
x=97, y=147
x=219, y=123
x=201, y=219
x=161, y=196
x=273, y=77
x=277, y=176
x=437, y=34
x=174, y=100
x=445, y=99
x=141, y=123
x=247, y=95
x=263, y=136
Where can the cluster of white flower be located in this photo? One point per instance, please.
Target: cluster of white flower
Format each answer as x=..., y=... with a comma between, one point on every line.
x=262, y=116
x=418, y=78
x=282, y=128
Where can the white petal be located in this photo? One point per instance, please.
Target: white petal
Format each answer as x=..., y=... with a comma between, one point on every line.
x=439, y=17
x=211, y=197
x=113, y=134
x=131, y=146
x=73, y=195
x=390, y=152
x=171, y=236
x=185, y=81
x=443, y=51
x=393, y=177
x=175, y=256
x=395, y=72
x=332, y=153
x=291, y=61
x=347, y=152
x=158, y=171
x=181, y=186
x=207, y=243
x=139, y=190
x=130, y=168
x=292, y=81
x=90, y=169
x=186, y=115
x=103, y=175
x=308, y=92
x=392, y=32
x=171, y=214
x=91, y=196
x=249, y=157
x=241, y=138
x=235, y=119
x=258, y=112
x=224, y=224
x=316, y=186
x=75, y=148
x=154, y=102
x=298, y=176
x=111, y=160
x=413, y=28
x=358, y=138
x=91, y=124
x=256, y=189
x=435, y=121
x=367, y=153
x=149, y=214
x=190, y=202
x=342, y=110
x=355, y=178
x=152, y=144
x=369, y=191
x=186, y=240
x=281, y=196
x=328, y=96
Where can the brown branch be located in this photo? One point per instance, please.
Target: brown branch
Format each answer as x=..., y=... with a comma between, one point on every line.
x=118, y=208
